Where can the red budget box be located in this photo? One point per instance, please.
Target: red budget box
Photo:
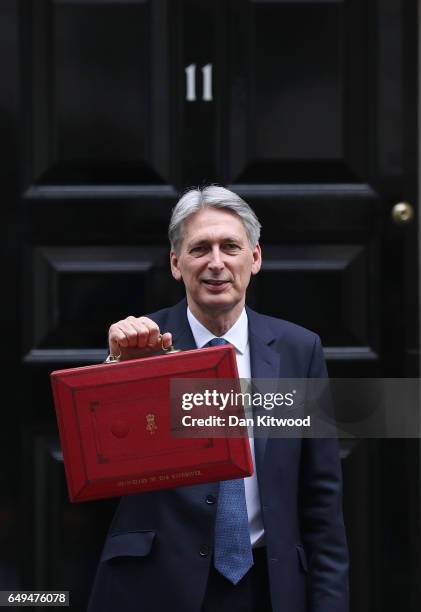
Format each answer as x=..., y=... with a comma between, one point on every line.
x=115, y=426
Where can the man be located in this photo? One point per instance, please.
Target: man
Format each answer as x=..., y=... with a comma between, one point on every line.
x=184, y=549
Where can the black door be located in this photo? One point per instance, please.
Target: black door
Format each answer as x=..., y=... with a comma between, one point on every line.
x=111, y=108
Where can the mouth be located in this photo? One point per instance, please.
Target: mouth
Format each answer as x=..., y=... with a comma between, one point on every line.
x=216, y=284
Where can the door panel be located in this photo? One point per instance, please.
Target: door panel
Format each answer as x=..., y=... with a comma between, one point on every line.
x=78, y=291
x=97, y=83
x=333, y=279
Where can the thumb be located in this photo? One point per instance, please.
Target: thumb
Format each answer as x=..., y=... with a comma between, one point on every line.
x=166, y=340
x=115, y=348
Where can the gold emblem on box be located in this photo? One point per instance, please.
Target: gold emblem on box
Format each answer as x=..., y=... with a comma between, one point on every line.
x=150, y=423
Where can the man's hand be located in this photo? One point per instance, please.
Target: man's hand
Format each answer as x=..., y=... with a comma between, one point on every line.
x=136, y=337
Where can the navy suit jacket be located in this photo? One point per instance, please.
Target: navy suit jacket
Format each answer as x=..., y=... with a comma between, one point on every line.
x=158, y=551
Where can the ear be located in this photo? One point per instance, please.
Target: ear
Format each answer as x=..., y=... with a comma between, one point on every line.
x=175, y=271
x=257, y=259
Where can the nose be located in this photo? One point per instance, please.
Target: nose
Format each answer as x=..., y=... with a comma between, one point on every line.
x=215, y=263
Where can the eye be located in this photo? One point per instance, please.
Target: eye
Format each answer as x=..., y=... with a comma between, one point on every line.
x=231, y=246
x=198, y=250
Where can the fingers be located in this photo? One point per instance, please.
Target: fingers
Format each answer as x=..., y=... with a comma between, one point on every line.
x=134, y=332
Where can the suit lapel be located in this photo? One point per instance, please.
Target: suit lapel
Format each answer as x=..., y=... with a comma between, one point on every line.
x=265, y=363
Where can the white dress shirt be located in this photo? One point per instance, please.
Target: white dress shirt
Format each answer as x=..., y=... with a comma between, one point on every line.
x=238, y=336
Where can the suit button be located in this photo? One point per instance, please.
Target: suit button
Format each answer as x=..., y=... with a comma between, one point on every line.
x=204, y=550
x=210, y=499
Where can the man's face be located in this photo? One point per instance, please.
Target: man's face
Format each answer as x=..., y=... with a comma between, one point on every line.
x=215, y=261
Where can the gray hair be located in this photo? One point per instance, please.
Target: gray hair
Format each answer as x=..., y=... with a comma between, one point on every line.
x=212, y=197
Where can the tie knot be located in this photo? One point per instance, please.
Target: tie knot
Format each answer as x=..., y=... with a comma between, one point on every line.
x=217, y=342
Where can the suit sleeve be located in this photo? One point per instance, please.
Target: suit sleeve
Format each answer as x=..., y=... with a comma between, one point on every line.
x=321, y=516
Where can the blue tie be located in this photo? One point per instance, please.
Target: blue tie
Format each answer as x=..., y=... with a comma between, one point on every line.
x=233, y=555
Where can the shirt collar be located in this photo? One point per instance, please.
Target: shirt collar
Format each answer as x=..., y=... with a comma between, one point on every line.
x=237, y=335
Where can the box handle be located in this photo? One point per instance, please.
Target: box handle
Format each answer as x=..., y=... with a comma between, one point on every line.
x=166, y=350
